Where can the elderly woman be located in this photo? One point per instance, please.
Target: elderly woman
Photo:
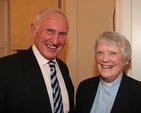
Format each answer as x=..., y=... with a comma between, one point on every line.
x=112, y=91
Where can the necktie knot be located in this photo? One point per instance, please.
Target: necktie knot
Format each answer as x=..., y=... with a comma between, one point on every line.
x=51, y=63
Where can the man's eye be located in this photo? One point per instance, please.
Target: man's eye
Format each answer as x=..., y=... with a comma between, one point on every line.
x=50, y=30
x=62, y=34
x=113, y=53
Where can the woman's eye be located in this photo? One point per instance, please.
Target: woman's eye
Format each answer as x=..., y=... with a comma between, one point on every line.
x=99, y=52
x=112, y=53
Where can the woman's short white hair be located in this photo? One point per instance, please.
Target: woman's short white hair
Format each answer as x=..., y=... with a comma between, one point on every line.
x=114, y=38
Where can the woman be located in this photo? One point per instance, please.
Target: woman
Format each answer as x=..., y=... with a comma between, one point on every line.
x=112, y=91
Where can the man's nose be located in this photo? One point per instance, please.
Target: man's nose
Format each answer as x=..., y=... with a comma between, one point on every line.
x=55, y=39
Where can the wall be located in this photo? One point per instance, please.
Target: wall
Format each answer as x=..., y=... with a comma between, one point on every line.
x=22, y=14
x=87, y=18
x=128, y=23
x=4, y=28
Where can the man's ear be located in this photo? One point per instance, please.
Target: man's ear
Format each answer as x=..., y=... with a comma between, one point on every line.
x=33, y=29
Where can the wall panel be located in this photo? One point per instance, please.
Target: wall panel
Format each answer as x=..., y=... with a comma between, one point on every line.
x=22, y=14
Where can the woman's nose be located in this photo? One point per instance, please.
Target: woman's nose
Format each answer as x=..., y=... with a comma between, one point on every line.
x=105, y=57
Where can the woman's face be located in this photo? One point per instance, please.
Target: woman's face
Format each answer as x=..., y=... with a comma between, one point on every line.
x=109, y=60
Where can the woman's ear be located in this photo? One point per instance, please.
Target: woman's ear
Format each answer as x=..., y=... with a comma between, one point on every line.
x=33, y=29
x=126, y=62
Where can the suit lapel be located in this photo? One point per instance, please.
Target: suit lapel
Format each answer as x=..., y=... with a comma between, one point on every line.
x=68, y=83
x=92, y=94
x=122, y=97
x=36, y=81
x=88, y=94
x=65, y=75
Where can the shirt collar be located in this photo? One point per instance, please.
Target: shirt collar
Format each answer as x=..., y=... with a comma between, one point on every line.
x=115, y=82
x=41, y=60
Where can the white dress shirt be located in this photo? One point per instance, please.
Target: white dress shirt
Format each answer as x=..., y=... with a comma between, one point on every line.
x=105, y=96
x=45, y=69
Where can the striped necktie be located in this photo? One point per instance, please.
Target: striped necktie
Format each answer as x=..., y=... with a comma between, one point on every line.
x=56, y=91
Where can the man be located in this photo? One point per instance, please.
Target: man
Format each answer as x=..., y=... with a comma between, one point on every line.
x=25, y=85
x=113, y=91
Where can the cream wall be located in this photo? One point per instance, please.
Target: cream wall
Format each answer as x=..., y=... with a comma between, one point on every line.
x=87, y=18
x=22, y=14
x=4, y=28
x=136, y=39
x=128, y=23
x=79, y=54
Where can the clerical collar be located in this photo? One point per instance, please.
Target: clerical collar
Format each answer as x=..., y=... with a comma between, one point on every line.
x=115, y=82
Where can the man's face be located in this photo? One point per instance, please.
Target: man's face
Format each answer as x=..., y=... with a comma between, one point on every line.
x=50, y=37
x=109, y=60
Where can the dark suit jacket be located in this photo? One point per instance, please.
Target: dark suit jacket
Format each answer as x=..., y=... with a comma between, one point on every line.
x=22, y=87
x=128, y=99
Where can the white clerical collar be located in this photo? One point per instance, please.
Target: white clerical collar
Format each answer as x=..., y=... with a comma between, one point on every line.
x=115, y=82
